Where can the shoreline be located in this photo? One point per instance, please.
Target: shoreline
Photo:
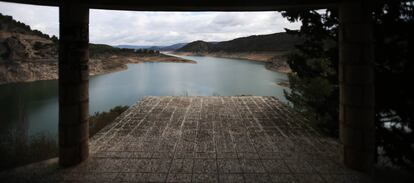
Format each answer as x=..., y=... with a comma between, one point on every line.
x=25, y=72
x=274, y=61
x=56, y=78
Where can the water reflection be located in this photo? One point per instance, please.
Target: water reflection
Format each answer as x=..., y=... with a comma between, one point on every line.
x=31, y=108
x=24, y=103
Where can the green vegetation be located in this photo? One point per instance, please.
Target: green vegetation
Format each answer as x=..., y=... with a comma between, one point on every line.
x=314, y=82
x=7, y=23
x=103, y=49
x=147, y=51
x=256, y=43
x=17, y=149
x=100, y=119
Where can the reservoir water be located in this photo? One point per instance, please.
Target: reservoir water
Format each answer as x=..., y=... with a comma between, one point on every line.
x=32, y=108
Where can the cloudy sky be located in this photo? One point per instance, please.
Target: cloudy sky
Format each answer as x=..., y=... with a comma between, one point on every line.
x=155, y=28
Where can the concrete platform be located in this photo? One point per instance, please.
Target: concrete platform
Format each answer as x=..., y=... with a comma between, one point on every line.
x=203, y=139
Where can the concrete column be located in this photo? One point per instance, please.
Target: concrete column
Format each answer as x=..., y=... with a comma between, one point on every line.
x=73, y=84
x=356, y=77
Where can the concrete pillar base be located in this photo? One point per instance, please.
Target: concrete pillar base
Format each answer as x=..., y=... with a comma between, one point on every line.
x=73, y=84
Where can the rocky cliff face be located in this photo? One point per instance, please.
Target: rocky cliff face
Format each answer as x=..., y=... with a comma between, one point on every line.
x=29, y=55
x=21, y=72
x=25, y=54
x=26, y=58
x=34, y=71
x=18, y=47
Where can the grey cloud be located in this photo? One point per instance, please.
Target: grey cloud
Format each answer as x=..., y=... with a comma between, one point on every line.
x=156, y=28
x=230, y=19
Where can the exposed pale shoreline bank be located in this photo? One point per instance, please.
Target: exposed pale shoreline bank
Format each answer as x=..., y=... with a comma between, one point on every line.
x=275, y=61
x=37, y=70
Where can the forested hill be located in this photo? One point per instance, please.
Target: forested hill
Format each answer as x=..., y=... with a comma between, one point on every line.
x=8, y=24
x=256, y=43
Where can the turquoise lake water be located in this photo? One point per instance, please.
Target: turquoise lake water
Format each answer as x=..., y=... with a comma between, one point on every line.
x=32, y=108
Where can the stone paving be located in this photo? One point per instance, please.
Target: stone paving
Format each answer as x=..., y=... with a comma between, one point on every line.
x=203, y=139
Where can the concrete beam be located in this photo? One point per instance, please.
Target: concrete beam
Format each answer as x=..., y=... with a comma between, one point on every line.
x=191, y=5
x=73, y=84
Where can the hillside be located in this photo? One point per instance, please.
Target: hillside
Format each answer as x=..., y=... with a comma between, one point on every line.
x=30, y=55
x=158, y=48
x=256, y=43
x=131, y=46
x=168, y=48
x=270, y=48
x=8, y=24
x=198, y=47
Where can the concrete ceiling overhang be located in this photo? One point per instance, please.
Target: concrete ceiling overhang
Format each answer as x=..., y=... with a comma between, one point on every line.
x=190, y=5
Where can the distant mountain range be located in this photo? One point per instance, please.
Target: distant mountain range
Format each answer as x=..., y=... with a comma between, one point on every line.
x=132, y=46
x=257, y=43
x=159, y=48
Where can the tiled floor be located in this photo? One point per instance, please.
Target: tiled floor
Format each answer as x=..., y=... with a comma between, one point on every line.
x=203, y=139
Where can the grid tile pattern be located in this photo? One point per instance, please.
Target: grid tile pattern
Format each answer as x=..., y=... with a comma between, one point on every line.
x=210, y=139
